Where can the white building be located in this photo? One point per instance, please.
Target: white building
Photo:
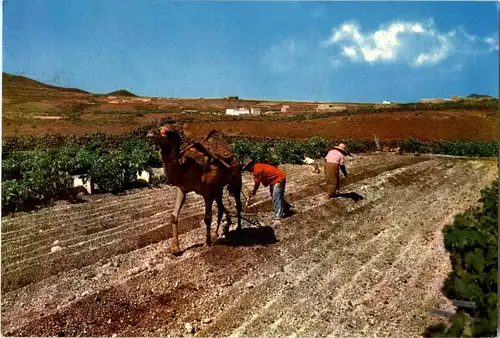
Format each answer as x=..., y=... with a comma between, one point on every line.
x=237, y=111
x=386, y=102
x=255, y=111
x=243, y=111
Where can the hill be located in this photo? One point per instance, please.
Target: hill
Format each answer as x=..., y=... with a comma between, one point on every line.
x=22, y=94
x=12, y=83
x=121, y=92
x=480, y=96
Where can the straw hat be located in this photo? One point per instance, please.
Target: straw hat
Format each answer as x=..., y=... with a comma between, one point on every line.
x=343, y=149
x=246, y=162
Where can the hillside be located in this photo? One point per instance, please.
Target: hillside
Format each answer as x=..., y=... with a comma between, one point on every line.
x=16, y=82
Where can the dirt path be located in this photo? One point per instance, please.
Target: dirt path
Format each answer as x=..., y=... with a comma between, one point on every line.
x=337, y=267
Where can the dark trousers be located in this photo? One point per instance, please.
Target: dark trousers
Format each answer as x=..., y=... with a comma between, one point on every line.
x=332, y=175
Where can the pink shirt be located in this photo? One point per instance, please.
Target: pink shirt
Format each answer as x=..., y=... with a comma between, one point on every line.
x=335, y=156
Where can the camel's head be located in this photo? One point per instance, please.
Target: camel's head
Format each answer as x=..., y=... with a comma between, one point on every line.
x=166, y=136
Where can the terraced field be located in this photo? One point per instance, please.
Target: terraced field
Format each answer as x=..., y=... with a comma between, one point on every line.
x=336, y=267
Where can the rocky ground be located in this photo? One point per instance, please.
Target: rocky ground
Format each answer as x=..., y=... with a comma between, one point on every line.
x=337, y=267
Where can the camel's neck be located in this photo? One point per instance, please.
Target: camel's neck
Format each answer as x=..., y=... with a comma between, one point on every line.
x=173, y=169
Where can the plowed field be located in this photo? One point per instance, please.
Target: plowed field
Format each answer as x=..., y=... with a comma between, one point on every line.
x=336, y=267
x=425, y=126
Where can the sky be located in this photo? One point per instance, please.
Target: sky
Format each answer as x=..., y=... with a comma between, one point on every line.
x=304, y=51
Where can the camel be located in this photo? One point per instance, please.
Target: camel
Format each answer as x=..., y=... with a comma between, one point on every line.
x=198, y=169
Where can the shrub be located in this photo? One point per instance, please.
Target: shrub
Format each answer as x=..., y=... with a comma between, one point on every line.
x=141, y=153
x=84, y=160
x=457, y=148
x=471, y=241
x=356, y=146
x=14, y=166
x=318, y=147
x=15, y=194
x=110, y=172
x=290, y=151
x=242, y=149
x=40, y=178
x=412, y=145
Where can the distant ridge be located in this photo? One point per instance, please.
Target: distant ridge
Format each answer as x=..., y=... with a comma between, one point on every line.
x=480, y=96
x=121, y=92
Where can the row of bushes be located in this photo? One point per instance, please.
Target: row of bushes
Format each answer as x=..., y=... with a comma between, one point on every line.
x=39, y=177
x=471, y=241
x=114, y=141
x=292, y=151
x=30, y=179
x=455, y=148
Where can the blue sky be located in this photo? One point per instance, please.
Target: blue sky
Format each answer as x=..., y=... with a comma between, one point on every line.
x=324, y=51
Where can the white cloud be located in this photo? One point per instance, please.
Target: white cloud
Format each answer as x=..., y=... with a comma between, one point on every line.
x=350, y=52
x=416, y=43
x=492, y=42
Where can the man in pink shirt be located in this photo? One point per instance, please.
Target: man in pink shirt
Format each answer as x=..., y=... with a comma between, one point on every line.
x=334, y=161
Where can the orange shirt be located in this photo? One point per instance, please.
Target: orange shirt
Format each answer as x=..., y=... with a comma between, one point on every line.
x=267, y=174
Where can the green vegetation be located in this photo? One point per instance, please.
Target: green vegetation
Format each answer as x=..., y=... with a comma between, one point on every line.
x=31, y=179
x=471, y=241
x=281, y=152
x=455, y=148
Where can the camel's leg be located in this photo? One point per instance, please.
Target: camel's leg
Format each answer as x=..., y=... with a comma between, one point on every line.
x=237, y=199
x=208, y=217
x=221, y=211
x=174, y=218
x=235, y=186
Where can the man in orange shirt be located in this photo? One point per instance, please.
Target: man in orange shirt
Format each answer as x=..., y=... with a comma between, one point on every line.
x=273, y=177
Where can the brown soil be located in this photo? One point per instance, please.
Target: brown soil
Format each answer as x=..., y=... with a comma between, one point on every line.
x=336, y=267
x=425, y=126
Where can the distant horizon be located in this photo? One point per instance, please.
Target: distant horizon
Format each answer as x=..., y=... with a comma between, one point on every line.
x=364, y=52
x=246, y=98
